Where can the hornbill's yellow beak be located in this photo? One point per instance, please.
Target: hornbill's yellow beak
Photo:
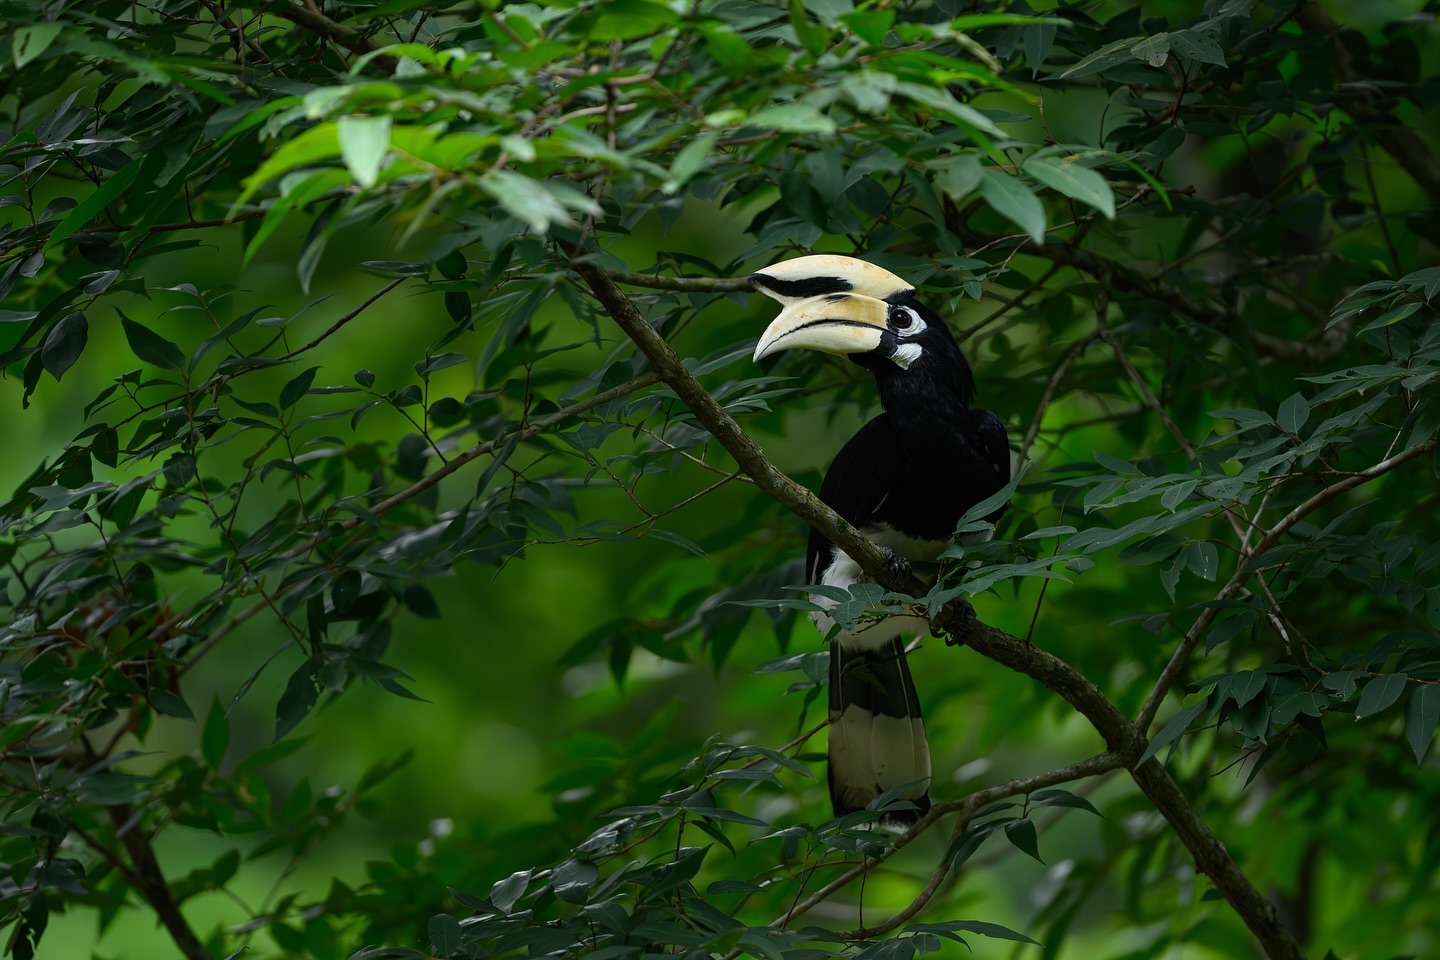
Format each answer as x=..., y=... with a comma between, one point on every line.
x=838, y=323
x=791, y=281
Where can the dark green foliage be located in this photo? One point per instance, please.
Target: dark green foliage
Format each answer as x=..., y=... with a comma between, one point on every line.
x=1190, y=249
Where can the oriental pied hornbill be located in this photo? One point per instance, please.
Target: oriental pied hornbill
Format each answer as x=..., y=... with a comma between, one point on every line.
x=904, y=480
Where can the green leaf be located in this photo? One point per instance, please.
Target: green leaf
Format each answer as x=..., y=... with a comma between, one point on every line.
x=1342, y=682
x=1422, y=714
x=1022, y=834
x=170, y=704
x=572, y=880
x=1204, y=559
x=298, y=699
x=296, y=388
x=869, y=90
x=150, y=346
x=986, y=929
x=1293, y=413
x=440, y=361
x=1392, y=316
x=346, y=590
x=64, y=344
x=320, y=142
x=32, y=40
x=1380, y=693
x=1153, y=50
x=870, y=25
x=791, y=118
x=1038, y=38
x=1115, y=465
x=628, y=19
x=811, y=36
x=505, y=893
x=1062, y=798
x=1250, y=687
x=86, y=210
x=1073, y=180
x=679, y=871
x=525, y=199
x=958, y=175
x=445, y=935
x=689, y=159
x=1194, y=45
x=421, y=602
x=1173, y=730
x=1110, y=55
x=1012, y=199
x=943, y=101
x=364, y=141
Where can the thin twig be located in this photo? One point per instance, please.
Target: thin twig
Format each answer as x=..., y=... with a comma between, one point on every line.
x=335, y=327
x=1063, y=367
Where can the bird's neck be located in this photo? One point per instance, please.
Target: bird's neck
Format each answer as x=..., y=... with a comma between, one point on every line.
x=921, y=395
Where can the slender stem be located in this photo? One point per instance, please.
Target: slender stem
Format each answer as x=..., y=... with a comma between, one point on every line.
x=1063, y=367
x=334, y=327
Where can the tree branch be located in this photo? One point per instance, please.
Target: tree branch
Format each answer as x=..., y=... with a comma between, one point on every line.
x=682, y=284
x=152, y=883
x=1243, y=572
x=958, y=620
x=331, y=30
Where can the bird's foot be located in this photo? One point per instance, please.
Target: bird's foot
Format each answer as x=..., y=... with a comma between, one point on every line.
x=961, y=614
x=895, y=564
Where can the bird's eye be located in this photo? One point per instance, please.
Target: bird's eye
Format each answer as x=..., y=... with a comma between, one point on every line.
x=905, y=320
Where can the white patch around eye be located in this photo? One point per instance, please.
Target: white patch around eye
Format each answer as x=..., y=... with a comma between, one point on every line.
x=906, y=354
x=907, y=322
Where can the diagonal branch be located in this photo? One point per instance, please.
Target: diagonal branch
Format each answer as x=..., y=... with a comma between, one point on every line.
x=1243, y=572
x=334, y=31
x=152, y=882
x=682, y=284
x=958, y=620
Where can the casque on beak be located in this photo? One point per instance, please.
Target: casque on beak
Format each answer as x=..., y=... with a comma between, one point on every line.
x=791, y=281
x=838, y=323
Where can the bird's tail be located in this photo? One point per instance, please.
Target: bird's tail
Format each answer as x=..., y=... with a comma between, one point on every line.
x=877, y=737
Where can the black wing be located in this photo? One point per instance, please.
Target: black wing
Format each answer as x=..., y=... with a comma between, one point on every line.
x=856, y=483
x=989, y=433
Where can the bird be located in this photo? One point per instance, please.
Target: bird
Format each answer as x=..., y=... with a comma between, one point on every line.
x=904, y=480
